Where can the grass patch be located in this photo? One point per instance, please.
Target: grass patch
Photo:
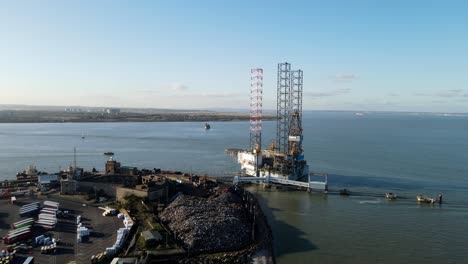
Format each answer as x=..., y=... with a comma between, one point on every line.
x=147, y=221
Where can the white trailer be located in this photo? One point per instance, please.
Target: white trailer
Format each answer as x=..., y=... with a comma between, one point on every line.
x=51, y=204
x=50, y=211
x=45, y=221
x=48, y=217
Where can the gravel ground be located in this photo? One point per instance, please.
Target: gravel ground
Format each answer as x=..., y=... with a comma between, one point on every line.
x=215, y=224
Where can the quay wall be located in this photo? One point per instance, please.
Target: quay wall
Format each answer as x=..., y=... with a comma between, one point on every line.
x=262, y=234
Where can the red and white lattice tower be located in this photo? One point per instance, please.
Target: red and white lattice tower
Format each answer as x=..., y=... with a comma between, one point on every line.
x=256, y=96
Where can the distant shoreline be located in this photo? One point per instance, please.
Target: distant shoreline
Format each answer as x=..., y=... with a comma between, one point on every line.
x=25, y=116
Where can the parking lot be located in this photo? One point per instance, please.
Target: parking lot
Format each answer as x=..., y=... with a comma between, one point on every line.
x=103, y=231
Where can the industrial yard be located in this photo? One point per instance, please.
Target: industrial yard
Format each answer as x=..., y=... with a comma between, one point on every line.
x=176, y=217
x=103, y=232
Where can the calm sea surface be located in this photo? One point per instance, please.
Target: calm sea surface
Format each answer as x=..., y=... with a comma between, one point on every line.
x=370, y=155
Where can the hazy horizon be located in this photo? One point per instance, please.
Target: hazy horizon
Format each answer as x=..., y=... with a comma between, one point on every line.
x=5, y=107
x=356, y=56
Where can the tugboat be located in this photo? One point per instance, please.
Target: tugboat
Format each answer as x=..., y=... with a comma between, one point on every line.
x=425, y=199
x=390, y=196
x=207, y=126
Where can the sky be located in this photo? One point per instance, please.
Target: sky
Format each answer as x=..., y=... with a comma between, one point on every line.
x=355, y=54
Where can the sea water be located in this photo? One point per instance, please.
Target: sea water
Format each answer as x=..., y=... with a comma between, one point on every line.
x=368, y=154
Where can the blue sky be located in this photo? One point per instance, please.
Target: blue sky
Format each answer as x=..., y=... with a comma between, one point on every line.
x=356, y=55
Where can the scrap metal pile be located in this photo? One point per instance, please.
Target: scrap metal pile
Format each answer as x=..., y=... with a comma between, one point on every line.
x=214, y=224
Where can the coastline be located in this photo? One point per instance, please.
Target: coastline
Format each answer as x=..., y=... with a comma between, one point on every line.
x=97, y=117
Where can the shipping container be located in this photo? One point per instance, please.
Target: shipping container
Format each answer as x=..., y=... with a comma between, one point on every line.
x=48, y=216
x=23, y=223
x=10, y=239
x=19, y=230
x=51, y=204
x=50, y=210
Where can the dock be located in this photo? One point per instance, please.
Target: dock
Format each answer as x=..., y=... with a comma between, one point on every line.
x=309, y=185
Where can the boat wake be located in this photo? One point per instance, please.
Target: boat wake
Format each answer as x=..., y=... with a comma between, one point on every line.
x=370, y=202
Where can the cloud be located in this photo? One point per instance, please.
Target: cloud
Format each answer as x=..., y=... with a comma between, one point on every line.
x=453, y=93
x=344, y=77
x=214, y=95
x=146, y=91
x=335, y=92
x=178, y=87
x=223, y=95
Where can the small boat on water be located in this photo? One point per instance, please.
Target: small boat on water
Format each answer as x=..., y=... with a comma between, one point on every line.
x=425, y=199
x=207, y=126
x=391, y=196
x=109, y=153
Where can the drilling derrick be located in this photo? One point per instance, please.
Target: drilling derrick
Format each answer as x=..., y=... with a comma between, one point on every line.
x=295, y=126
x=296, y=91
x=283, y=107
x=256, y=96
x=284, y=160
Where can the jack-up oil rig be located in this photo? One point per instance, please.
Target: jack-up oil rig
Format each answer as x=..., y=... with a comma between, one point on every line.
x=283, y=162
